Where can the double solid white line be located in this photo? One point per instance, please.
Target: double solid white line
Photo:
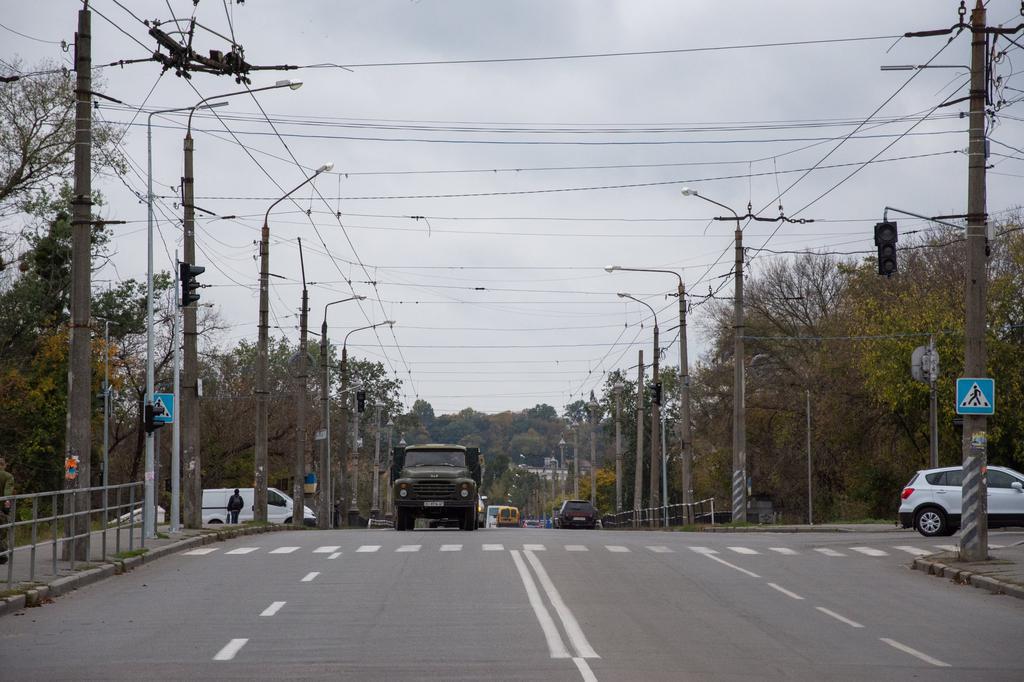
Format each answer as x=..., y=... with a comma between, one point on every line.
x=573, y=632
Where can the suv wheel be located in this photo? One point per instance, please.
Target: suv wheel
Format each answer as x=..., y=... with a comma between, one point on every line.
x=931, y=522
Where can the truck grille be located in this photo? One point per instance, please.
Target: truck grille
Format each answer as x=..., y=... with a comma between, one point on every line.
x=433, y=490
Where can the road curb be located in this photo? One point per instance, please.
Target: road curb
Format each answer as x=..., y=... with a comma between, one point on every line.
x=964, y=577
x=37, y=595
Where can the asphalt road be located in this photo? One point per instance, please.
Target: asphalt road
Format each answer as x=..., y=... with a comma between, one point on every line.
x=527, y=604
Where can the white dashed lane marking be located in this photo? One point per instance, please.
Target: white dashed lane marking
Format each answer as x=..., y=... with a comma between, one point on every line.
x=201, y=551
x=451, y=548
x=229, y=650
x=784, y=591
x=409, y=548
x=616, y=548
x=661, y=549
x=576, y=548
x=326, y=549
x=914, y=652
x=783, y=550
x=242, y=550
x=310, y=577
x=284, y=550
x=534, y=548
x=368, y=548
x=273, y=608
x=842, y=619
x=744, y=550
x=494, y=548
x=704, y=550
x=335, y=555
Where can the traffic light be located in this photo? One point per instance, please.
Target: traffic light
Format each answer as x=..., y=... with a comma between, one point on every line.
x=361, y=401
x=151, y=412
x=885, y=240
x=187, y=274
x=656, y=397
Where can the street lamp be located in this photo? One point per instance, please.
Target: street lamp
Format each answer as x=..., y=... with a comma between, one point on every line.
x=685, y=437
x=190, y=363
x=353, y=510
x=739, y=415
x=260, y=459
x=148, y=526
x=655, y=407
x=325, y=516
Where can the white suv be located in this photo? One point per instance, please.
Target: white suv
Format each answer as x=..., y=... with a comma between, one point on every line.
x=932, y=500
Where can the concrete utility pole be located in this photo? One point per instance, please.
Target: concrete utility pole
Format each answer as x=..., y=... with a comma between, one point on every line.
x=810, y=499
x=78, y=437
x=353, y=509
x=638, y=471
x=301, y=388
x=974, y=523
x=561, y=465
x=655, y=405
x=617, y=389
x=594, y=407
x=343, y=440
x=933, y=404
x=576, y=463
x=260, y=455
x=176, y=426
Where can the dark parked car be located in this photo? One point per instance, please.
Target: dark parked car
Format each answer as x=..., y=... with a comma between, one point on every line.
x=577, y=514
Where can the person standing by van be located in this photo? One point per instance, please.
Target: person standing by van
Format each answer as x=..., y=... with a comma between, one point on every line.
x=235, y=504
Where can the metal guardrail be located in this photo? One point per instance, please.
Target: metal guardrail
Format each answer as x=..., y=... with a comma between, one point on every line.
x=70, y=516
x=670, y=515
x=380, y=523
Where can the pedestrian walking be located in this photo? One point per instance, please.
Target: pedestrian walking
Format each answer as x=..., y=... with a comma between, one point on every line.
x=6, y=490
x=235, y=504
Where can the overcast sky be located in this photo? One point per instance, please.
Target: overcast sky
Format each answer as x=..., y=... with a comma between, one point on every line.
x=501, y=299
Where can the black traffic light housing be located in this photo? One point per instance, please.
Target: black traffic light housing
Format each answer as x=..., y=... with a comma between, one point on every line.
x=187, y=274
x=656, y=397
x=361, y=401
x=151, y=412
x=885, y=239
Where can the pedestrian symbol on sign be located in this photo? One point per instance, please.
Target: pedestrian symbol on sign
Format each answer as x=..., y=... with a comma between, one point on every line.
x=975, y=396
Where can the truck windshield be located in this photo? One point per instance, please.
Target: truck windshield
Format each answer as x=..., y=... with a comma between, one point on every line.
x=454, y=458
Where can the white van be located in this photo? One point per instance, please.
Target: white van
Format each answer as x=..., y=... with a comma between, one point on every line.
x=279, y=506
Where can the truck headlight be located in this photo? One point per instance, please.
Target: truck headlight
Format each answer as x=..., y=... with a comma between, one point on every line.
x=403, y=492
x=464, y=493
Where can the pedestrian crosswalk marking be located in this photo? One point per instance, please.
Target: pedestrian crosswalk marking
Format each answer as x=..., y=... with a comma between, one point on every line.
x=744, y=550
x=451, y=548
x=327, y=549
x=912, y=550
x=310, y=577
x=704, y=550
x=335, y=555
x=242, y=550
x=616, y=548
x=828, y=552
x=494, y=548
x=409, y=548
x=201, y=551
x=660, y=549
x=534, y=548
x=870, y=551
x=283, y=550
x=783, y=550
x=368, y=548
x=576, y=548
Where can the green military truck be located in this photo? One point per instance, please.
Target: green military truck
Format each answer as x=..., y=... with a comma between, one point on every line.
x=436, y=482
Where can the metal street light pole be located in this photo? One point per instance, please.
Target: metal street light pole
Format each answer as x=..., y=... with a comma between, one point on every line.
x=617, y=389
x=375, y=500
x=353, y=510
x=594, y=407
x=324, y=513
x=561, y=466
x=189, y=399
x=655, y=407
x=638, y=469
x=739, y=415
x=301, y=398
x=685, y=435
x=260, y=460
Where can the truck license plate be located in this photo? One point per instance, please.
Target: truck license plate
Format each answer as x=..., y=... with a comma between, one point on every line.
x=579, y=518
x=434, y=503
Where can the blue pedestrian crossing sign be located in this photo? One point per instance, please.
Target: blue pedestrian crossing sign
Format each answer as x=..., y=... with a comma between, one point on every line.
x=163, y=408
x=975, y=396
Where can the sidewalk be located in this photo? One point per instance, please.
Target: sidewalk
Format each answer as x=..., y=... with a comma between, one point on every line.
x=1003, y=573
x=35, y=582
